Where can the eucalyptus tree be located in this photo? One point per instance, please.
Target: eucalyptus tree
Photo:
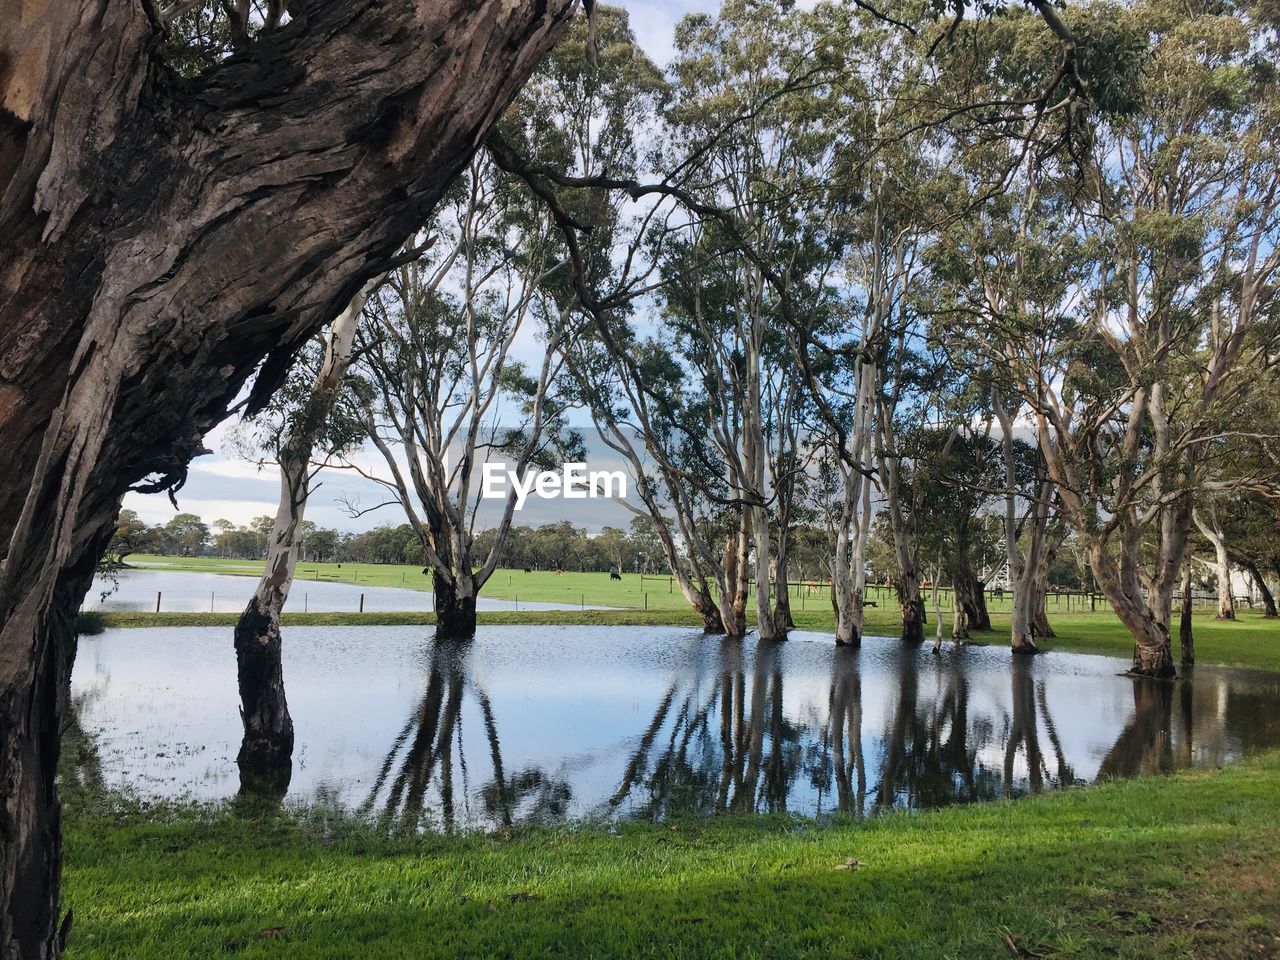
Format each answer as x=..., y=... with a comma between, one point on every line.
x=735, y=71
x=1210, y=526
x=1245, y=469
x=1137, y=362
x=581, y=122
x=1249, y=523
x=302, y=426
x=727, y=443
x=955, y=470
x=447, y=391
x=634, y=392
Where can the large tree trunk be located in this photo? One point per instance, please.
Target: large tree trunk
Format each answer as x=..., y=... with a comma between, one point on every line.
x=455, y=606
x=1268, y=601
x=161, y=239
x=1040, y=587
x=907, y=584
x=1186, y=639
x=971, y=600
x=31, y=707
x=911, y=603
x=1023, y=565
x=735, y=580
x=1152, y=656
x=266, y=751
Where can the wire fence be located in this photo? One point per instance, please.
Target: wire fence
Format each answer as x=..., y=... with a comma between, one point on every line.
x=319, y=591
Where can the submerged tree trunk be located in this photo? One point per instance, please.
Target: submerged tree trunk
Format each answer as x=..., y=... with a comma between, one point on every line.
x=1023, y=564
x=455, y=606
x=849, y=574
x=735, y=580
x=911, y=603
x=1185, y=638
x=160, y=242
x=1152, y=656
x=266, y=751
x=907, y=584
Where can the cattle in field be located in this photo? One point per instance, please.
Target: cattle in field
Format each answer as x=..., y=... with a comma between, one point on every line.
x=614, y=575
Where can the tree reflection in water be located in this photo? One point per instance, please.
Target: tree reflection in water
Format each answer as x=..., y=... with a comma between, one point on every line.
x=844, y=733
x=929, y=749
x=721, y=738
x=749, y=766
x=422, y=764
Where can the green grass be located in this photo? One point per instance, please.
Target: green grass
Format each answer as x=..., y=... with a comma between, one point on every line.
x=541, y=586
x=1156, y=867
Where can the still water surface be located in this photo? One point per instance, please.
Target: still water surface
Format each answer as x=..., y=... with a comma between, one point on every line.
x=554, y=723
x=181, y=591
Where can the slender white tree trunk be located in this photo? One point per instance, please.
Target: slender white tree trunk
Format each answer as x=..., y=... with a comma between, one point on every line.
x=1222, y=561
x=266, y=749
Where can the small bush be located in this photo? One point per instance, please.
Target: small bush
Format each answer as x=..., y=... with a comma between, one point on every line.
x=90, y=623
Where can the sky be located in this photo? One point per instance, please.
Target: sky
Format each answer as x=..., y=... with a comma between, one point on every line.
x=224, y=486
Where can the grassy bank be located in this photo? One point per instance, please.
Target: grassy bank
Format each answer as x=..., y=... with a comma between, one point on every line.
x=1250, y=641
x=1156, y=867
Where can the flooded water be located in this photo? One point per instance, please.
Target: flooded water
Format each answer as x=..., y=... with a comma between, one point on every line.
x=183, y=592
x=555, y=723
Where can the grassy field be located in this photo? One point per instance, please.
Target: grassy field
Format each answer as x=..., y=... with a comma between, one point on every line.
x=1183, y=866
x=540, y=586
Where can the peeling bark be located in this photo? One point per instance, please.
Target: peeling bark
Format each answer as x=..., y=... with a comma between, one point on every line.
x=162, y=238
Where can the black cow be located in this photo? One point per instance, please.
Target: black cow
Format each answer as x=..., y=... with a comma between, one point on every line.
x=614, y=575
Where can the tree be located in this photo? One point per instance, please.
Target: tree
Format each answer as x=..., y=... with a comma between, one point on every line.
x=447, y=392
x=160, y=242
x=1149, y=258
x=299, y=426
x=1249, y=522
x=131, y=535
x=186, y=535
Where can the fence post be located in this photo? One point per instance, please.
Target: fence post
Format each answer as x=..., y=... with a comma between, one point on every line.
x=211, y=601
x=362, y=603
x=646, y=601
x=305, y=598
x=157, y=601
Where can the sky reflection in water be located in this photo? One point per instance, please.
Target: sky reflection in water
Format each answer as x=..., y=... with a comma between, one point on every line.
x=552, y=723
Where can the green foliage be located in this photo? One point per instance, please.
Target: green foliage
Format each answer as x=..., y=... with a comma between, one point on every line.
x=90, y=623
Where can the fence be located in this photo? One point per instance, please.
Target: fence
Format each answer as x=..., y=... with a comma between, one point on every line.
x=383, y=594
